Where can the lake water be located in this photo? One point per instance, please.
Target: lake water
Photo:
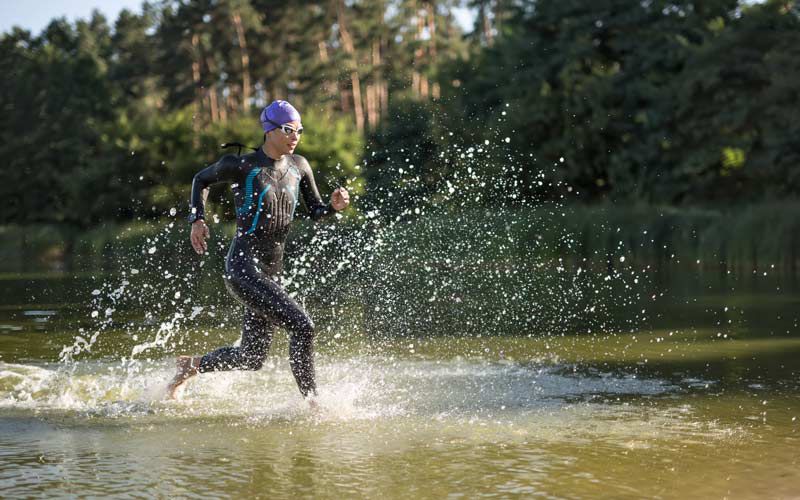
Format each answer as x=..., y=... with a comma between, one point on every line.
x=700, y=400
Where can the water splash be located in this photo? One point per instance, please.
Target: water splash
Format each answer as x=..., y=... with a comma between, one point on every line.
x=356, y=388
x=466, y=252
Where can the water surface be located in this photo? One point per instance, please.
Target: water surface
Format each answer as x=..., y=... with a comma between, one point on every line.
x=690, y=405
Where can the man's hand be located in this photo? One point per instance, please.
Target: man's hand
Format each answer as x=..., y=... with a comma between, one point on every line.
x=199, y=236
x=340, y=199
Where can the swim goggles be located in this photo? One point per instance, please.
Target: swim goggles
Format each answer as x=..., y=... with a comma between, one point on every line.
x=287, y=129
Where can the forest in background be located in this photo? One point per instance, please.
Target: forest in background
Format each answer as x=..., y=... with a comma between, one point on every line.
x=668, y=103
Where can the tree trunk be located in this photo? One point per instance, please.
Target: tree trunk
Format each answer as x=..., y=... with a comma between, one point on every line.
x=324, y=57
x=237, y=23
x=384, y=98
x=357, y=107
x=486, y=25
x=377, y=62
x=435, y=90
x=419, y=81
x=373, y=90
x=370, y=105
x=223, y=110
x=213, y=100
x=355, y=80
x=213, y=105
x=498, y=16
x=432, y=32
x=196, y=105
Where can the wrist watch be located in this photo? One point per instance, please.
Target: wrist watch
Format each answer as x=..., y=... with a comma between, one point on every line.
x=194, y=217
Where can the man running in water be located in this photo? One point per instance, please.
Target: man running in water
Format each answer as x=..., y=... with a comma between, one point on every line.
x=266, y=186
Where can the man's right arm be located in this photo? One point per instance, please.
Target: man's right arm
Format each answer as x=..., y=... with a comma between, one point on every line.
x=225, y=170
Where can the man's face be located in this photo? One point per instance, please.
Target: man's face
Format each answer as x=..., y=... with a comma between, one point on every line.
x=282, y=142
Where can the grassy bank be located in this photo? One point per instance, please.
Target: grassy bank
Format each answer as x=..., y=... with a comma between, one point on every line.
x=757, y=238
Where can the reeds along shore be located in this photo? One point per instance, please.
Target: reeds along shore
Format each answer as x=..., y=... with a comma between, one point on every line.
x=758, y=238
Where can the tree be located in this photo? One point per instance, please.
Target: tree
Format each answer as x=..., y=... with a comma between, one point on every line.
x=736, y=107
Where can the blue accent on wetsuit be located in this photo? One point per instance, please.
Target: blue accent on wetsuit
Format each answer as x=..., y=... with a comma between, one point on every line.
x=258, y=210
x=255, y=257
x=248, y=191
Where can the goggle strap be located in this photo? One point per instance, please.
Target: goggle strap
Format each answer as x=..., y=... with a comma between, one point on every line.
x=239, y=145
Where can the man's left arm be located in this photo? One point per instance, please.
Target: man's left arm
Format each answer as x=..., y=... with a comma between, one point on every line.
x=340, y=198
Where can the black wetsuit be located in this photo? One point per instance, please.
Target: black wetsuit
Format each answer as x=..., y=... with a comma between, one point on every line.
x=266, y=193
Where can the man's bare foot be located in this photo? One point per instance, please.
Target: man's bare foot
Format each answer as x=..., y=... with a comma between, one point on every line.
x=313, y=404
x=187, y=368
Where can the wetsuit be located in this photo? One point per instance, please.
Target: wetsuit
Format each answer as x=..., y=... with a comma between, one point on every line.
x=266, y=193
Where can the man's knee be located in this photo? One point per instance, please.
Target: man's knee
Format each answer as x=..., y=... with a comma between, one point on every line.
x=253, y=363
x=253, y=357
x=301, y=342
x=303, y=328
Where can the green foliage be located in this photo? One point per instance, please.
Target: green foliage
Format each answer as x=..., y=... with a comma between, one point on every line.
x=644, y=99
x=65, y=103
x=656, y=102
x=741, y=99
x=408, y=143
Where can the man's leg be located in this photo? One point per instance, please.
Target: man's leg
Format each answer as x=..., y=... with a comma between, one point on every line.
x=269, y=299
x=256, y=339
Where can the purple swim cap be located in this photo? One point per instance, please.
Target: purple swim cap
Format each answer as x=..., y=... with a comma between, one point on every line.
x=278, y=113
